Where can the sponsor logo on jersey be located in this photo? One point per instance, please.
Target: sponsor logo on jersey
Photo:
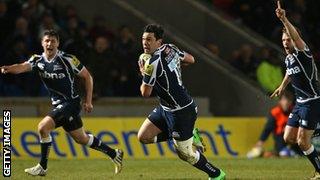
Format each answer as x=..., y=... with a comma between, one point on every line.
x=167, y=50
x=47, y=75
x=293, y=70
x=148, y=69
x=75, y=61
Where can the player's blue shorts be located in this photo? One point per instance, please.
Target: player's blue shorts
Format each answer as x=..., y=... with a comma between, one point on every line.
x=67, y=115
x=305, y=115
x=178, y=124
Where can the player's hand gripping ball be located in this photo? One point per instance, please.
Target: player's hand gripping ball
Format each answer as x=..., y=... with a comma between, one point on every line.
x=144, y=57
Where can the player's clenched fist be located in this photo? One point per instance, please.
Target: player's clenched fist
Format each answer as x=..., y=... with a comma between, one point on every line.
x=3, y=69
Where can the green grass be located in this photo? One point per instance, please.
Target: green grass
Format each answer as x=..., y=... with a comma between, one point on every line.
x=168, y=169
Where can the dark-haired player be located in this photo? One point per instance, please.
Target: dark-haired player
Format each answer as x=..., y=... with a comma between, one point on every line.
x=177, y=113
x=57, y=71
x=302, y=73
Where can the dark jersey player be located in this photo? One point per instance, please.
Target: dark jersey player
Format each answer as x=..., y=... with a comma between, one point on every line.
x=57, y=71
x=177, y=113
x=302, y=73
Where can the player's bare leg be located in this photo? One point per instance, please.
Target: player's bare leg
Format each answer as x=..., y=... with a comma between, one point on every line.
x=290, y=135
x=45, y=126
x=304, y=142
x=116, y=155
x=194, y=157
x=150, y=133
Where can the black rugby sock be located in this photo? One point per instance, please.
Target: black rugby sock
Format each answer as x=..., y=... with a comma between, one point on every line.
x=102, y=147
x=45, y=149
x=207, y=167
x=313, y=157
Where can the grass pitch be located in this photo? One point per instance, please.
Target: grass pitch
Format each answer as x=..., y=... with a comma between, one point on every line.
x=235, y=168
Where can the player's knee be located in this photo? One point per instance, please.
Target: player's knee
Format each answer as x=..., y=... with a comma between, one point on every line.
x=185, y=151
x=303, y=144
x=43, y=130
x=143, y=138
x=81, y=139
x=290, y=139
x=187, y=155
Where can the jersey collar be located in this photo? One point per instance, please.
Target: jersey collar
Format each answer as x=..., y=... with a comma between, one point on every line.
x=52, y=59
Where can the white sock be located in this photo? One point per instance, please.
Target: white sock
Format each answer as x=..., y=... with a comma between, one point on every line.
x=90, y=140
x=309, y=151
x=46, y=140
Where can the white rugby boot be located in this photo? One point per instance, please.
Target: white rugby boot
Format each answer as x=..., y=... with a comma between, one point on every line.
x=36, y=170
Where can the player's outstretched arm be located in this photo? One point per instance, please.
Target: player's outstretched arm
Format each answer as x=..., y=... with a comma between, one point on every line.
x=188, y=59
x=16, y=68
x=278, y=92
x=88, y=83
x=291, y=30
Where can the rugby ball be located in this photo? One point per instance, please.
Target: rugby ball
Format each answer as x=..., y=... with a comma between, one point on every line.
x=144, y=57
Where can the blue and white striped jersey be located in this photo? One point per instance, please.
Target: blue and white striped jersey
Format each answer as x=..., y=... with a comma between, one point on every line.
x=303, y=73
x=163, y=72
x=58, y=75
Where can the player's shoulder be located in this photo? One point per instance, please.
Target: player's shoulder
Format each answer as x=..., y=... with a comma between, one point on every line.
x=304, y=52
x=173, y=46
x=66, y=55
x=35, y=57
x=70, y=58
x=160, y=49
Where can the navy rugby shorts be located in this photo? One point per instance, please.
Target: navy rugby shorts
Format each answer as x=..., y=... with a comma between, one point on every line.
x=178, y=124
x=67, y=115
x=305, y=115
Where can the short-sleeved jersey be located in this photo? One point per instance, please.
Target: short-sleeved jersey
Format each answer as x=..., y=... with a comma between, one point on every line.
x=163, y=72
x=303, y=73
x=57, y=75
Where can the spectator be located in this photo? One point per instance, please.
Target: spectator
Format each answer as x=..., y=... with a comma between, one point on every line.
x=47, y=22
x=102, y=67
x=20, y=85
x=100, y=28
x=269, y=73
x=245, y=61
x=213, y=48
x=78, y=43
x=276, y=122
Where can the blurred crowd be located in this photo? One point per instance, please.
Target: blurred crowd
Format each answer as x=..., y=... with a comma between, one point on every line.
x=108, y=52
x=264, y=65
